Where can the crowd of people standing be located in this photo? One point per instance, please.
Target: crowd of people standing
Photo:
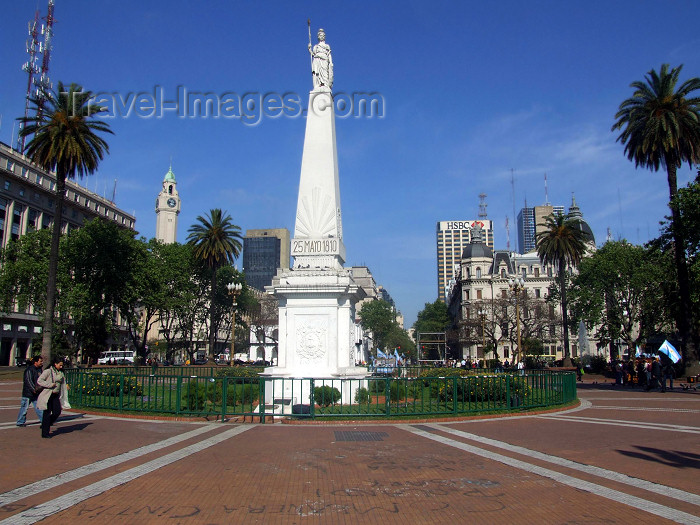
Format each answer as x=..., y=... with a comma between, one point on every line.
x=648, y=373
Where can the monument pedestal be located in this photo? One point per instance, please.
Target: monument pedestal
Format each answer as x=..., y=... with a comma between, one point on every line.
x=316, y=335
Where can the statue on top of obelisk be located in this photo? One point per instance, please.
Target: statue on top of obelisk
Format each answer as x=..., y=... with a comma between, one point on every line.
x=321, y=62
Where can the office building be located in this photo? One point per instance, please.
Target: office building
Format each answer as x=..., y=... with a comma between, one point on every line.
x=452, y=238
x=264, y=251
x=531, y=222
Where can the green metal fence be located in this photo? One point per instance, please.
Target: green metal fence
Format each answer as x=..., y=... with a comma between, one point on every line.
x=137, y=390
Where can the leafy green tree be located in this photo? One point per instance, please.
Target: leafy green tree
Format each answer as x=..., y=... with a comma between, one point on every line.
x=24, y=271
x=617, y=292
x=661, y=128
x=65, y=140
x=398, y=339
x=434, y=317
x=561, y=243
x=107, y=269
x=217, y=242
x=379, y=318
x=179, y=272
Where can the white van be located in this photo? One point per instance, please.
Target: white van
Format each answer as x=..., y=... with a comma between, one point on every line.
x=116, y=358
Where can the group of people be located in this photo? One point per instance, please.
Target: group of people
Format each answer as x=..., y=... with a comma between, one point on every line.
x=46, y=390
x=649, y=373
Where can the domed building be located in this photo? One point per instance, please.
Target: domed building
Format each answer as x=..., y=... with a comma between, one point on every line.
x=498, y=296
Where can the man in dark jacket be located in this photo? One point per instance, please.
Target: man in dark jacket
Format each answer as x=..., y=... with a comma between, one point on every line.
x=655, y=374
x=30, y=390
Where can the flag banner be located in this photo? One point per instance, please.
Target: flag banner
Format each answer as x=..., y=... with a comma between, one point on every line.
x=638, y=352
x=668, y=349
x=381, y=354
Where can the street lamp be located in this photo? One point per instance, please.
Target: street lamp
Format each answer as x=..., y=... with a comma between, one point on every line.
x=517, y=285
x=482, y=314
x=234, y=290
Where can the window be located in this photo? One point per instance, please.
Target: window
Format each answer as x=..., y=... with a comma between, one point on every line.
x=504, y=294
x=537, y=293
x=3, y=208
x=39, y=179
x=549, y=271
x=21, y=192
x=52, y=185
x=16, y=228
x=478, y=294
x=25, y=173
x=170, y=189
x=32, y=219
x=466, y=295
x=478, y=273
x=537, y=272
x=46, y=220
x=10, y=165
x=524, y=272
x=503, y=273
x=50, y=203
x=7, y=185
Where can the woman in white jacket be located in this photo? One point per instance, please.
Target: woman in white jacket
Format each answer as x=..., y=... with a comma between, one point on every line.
x=54, y=383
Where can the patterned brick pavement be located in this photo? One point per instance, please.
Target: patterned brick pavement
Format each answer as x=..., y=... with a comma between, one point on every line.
x=624, y=456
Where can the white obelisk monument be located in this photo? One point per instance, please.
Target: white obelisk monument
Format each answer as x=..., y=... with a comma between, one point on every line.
x=317, y=295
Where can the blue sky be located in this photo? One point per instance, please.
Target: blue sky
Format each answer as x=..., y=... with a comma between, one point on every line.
x=471, y=90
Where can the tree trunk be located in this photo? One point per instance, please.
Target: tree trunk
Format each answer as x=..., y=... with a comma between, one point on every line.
x=684, y=319
x=212, y=297
x=47, y=330
x=564, y=312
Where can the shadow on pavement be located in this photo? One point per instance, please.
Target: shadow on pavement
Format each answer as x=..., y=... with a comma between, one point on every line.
x=671, y=458
x=68, y=429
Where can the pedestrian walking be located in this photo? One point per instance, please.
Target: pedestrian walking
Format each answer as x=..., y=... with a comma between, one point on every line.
x=30, y=391
x=656, y=373
x=54, y=397
x=669, y=373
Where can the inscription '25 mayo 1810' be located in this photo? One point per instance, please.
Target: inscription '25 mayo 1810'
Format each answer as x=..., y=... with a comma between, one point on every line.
x=315, y=247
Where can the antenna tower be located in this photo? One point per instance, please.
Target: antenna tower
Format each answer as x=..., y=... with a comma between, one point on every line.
x=507, y=234
x=30, y=67
x=482, y=206
x=546, y=193
x=44, y=84
x=512, y=190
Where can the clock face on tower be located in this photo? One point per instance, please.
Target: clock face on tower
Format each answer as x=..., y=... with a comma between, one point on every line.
x=171, y=202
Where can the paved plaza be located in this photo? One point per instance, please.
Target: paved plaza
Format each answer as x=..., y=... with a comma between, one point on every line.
x=623, y=456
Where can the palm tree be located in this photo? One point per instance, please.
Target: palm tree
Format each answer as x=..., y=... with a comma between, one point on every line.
x=562, y=243
x=661, y=127
x=65, y=141
x=216, y=241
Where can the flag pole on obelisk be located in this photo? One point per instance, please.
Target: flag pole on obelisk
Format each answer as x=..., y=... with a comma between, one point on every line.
x=308, y=23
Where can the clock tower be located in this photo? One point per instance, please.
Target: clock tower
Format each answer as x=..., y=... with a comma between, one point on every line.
x=167, y=209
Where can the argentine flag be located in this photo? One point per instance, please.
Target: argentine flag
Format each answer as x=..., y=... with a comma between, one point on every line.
x=668, y=349
x=381, y=354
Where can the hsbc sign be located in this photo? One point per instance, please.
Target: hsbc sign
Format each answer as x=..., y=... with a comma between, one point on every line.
x=464, y=225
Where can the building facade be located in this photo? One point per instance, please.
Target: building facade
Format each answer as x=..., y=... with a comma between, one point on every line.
x=264, y=251
x=27, y=203
x=451, y=239
x=488, y=312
